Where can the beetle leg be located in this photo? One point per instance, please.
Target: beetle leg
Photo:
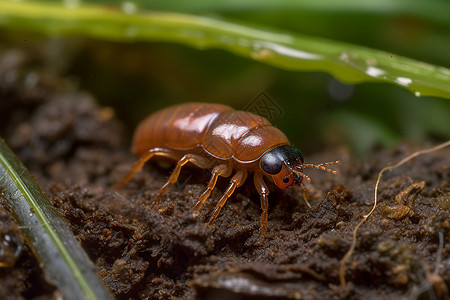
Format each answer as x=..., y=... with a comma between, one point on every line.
x=197, y=160
x=140, y=163
x=220, y=170
x=263, y=192
x=237, y=180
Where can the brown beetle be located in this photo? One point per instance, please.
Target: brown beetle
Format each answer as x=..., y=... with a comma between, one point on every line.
x=217, y=137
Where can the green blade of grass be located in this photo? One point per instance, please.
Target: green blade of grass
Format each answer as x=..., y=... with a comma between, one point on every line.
x=431, y=10
x=64, y=262
x=349, y=63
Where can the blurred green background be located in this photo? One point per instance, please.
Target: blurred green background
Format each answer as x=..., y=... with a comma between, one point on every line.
x=139, y=75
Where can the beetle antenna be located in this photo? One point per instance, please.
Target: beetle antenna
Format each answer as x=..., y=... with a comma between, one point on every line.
x=323, y=166
x=299, y=173
x=304, y=176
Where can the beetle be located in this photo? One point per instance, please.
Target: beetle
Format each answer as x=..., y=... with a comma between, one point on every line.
x=223, y=140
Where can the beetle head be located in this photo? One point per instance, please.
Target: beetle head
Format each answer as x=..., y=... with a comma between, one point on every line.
x=285, y=165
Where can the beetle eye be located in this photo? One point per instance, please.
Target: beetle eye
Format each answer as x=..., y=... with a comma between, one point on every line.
x=271, y=164
x=286, y=179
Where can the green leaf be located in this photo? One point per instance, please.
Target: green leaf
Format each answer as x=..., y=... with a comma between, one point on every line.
x=64, y=262
x=347, y=62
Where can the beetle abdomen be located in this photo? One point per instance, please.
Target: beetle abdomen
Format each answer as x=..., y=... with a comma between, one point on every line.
x=176, y=127
x=222, y=131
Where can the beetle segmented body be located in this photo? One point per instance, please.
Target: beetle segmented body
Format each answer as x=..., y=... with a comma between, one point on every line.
x=219, y=138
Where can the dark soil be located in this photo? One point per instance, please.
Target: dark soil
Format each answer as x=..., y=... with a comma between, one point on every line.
x=78, y=150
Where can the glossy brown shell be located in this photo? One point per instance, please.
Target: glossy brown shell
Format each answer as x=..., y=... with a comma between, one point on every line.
x=213, y=129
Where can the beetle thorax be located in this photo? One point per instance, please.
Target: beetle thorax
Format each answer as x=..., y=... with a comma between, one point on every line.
x=243, y=136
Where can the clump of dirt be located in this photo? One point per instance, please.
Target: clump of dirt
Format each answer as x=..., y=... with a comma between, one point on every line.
x=77, y=151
